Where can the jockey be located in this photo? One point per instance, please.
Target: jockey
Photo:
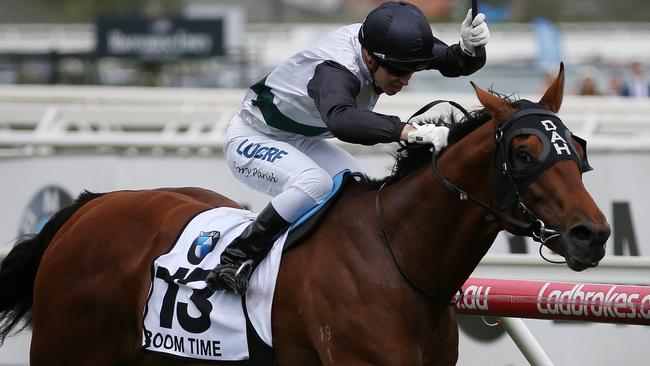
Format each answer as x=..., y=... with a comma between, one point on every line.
x=276, y=143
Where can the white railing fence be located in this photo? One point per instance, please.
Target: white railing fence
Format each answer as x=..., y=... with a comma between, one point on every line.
x=44, y=120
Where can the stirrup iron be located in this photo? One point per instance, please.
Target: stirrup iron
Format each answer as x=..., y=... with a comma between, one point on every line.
x=245, y=269
x=236, y=280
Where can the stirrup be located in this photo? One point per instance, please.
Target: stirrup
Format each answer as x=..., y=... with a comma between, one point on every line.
x=245, y=269
x=239, y=282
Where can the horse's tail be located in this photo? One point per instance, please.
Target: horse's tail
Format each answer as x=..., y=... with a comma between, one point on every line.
x=18, y=269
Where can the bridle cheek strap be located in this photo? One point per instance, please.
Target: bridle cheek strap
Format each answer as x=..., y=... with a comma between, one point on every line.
x=508, y=187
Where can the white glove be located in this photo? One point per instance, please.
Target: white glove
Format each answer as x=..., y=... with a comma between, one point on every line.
x=473, y=33
x=429, y=134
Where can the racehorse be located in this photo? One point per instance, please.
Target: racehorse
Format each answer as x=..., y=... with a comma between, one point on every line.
x=373, y=284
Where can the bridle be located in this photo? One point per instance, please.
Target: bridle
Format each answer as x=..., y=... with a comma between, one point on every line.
x=512, y=198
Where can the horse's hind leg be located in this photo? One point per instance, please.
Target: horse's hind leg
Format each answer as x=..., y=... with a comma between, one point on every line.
x=92, y=282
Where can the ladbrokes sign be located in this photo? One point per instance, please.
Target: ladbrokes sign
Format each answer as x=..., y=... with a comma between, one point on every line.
x=556, y=300
x=594, y=301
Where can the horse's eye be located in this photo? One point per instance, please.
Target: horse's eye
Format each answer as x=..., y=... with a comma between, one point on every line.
x=524, y=156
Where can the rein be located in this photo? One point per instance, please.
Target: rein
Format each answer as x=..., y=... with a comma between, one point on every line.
x=536, y=228
x=400, y=267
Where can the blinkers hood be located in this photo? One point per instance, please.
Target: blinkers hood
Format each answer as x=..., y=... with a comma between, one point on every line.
x=399, y=34
x=556, y=139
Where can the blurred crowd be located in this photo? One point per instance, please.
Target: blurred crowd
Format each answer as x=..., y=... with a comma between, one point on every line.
x=629, y=81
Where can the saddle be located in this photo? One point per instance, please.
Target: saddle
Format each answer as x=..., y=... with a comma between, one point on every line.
x=301, y=229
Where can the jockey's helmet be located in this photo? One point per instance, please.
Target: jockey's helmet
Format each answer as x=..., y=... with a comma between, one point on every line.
x=399, y=35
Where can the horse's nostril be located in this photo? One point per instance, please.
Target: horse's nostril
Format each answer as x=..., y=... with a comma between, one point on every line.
x=603, y=234
x=582, y=235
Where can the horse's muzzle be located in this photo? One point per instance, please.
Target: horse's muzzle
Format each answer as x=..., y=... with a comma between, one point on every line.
x=589, y=235
x=586, y=245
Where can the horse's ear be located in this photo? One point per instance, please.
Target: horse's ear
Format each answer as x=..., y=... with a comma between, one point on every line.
x=552, y=99
x=494, y=105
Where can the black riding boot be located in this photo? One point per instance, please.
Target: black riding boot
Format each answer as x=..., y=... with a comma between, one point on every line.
x=242, y=256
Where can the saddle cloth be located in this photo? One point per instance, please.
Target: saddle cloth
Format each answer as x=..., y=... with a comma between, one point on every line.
x=184, y=318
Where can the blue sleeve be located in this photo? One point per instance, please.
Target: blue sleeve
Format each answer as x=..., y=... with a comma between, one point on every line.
x=334, y=89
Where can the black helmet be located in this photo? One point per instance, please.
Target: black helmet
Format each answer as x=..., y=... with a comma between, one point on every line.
x=398, y=34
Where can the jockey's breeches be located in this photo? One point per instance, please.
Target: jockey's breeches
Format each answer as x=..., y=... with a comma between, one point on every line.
x=297, y=170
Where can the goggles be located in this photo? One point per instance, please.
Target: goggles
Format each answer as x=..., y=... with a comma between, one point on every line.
x=403, y=68
x=395, y=70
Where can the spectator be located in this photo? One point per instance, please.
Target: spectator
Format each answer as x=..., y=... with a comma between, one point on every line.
x=637, y=85
x=615, y=84
x=588, y=85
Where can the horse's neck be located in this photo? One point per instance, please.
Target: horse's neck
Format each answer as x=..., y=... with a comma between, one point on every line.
x=439, y=237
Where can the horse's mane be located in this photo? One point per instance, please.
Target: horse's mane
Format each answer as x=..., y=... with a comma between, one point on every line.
x=409, y=158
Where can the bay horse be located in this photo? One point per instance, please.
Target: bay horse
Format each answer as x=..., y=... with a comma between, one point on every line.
x=372, y=285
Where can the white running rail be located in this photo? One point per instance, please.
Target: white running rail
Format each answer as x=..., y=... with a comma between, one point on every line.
x=45, y=120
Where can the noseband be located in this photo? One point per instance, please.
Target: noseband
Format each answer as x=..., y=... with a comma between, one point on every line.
x=508, y=185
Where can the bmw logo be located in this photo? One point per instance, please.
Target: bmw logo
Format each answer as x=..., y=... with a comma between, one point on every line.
x=202, y=246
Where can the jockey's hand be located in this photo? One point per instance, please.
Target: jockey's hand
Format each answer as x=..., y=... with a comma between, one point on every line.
x=473, y=33
x=429, y=134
